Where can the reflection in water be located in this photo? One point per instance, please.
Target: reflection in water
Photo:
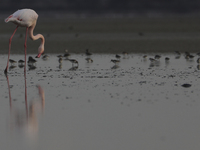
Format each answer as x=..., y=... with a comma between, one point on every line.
x=60, y=66
x=20, y=65
x=26, y=120
x=178, y=57
x=12, y=67
x=154, y=64
x=31, y=67
x=198, y=67
x=74, y=68
x=115, y=67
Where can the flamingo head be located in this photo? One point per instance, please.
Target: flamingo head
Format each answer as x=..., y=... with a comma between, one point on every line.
x=40, y=51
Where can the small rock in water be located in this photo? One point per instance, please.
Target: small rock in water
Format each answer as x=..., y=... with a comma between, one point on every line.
x=186, y=85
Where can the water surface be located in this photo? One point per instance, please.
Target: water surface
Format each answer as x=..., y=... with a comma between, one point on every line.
x=133, y=105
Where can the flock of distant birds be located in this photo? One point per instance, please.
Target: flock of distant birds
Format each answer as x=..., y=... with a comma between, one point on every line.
x=188, y=56
x=32, y=62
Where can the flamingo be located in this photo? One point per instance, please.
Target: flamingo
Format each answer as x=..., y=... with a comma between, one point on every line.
x=25, y=18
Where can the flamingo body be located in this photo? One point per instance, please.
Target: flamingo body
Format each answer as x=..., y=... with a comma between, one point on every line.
x=25, y=18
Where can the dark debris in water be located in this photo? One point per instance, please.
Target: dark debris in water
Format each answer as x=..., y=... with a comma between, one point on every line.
x=186, y=85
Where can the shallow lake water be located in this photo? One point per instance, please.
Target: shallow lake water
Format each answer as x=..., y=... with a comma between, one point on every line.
x=135, y=104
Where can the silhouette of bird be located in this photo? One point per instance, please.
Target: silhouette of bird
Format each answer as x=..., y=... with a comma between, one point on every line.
x=152, y=59
x=144, y=56
x=67, y=54
x=157, y=56
x=198, y=60
x=117, y=56
x=12, y=61
x=31, y=60
x=189, y=56
x=60, y=60
x=59, y=56
x=45, y=57
x=89, y=60
x=124, y=53
x=21, y=61
x=87, y=52
x=73, y=61
x=177, y=52
x=167, y=58
x=115, y=61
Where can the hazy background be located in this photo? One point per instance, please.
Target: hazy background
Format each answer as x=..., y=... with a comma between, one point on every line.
x=103, y=7
x=107, y=26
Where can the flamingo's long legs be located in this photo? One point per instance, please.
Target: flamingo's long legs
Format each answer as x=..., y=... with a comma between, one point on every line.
x=25, y=46
x=6, y=70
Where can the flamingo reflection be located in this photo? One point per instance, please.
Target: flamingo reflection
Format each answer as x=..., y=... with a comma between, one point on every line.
x=26, y=120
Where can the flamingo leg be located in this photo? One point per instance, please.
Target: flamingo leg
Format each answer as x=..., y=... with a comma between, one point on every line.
x=6, y=70
x=25, y=46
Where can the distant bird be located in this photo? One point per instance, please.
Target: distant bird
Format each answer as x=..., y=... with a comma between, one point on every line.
x=59, y=56
x=187, y=53
x=198, y=60
x=25, y=18
x=12, y=67
x=144, y=56
x=73, y=68
x=60, y=66
x=167, y=59
x=89, y=60
x=20, y=61
x=177, y=57
x=45, y=57
x=31, y=67
x=73, y=61
x=12, y=61
x=87, y=52
x=60, y=60
x=31, y=60
x=189, y=56
x=124, y=53
x=177, y=52
x=115, y=66
x=117, y=56
x=198, y=67
x=152, y=60
x=67, y=54
x=157, y=57
x=115, y=61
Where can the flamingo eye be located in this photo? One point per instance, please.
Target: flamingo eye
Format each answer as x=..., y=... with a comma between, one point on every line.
x=19, y=19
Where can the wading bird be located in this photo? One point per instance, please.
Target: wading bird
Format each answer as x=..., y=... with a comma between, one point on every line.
x=73, y=61
x=115, y=61
x=25, y=18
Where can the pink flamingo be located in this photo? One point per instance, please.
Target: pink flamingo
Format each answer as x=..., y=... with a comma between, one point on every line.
x=25, y=18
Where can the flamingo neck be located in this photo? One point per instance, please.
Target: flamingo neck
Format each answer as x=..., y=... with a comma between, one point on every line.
x=35, y=37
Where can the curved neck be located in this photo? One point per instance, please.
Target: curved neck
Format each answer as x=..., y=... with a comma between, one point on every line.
x=35, y=37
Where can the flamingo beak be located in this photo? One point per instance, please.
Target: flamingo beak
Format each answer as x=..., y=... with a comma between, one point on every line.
x=38, y=56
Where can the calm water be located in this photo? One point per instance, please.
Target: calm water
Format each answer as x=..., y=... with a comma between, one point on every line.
x=133, y=105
